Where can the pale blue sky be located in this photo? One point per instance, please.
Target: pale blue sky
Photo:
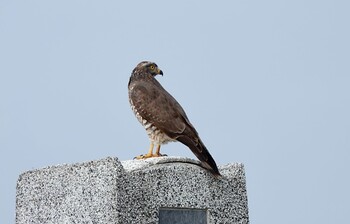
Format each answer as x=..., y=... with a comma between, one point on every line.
x=266, y=83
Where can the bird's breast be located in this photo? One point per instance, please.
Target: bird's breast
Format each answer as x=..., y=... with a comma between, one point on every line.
x=155, y=134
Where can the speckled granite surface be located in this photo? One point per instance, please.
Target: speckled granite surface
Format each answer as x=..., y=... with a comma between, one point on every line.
x=133, y=191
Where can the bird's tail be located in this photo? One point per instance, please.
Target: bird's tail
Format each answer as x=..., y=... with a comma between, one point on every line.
x=201, y=153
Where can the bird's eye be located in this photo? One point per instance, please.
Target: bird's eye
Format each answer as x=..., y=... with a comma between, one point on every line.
x=152, y=67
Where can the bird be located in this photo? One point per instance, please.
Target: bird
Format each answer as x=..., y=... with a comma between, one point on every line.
x=162, y=116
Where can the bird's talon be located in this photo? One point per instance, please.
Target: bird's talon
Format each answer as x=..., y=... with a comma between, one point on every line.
x=160, y=155
x=143, y=156
x=146, y=156
x=138, y=157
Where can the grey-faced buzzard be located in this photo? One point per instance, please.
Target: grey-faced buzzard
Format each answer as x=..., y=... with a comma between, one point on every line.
x=162, y=116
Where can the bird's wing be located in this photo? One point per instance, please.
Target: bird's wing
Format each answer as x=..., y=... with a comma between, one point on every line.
x=158, y=107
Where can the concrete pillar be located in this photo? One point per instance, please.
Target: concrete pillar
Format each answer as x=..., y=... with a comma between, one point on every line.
x=156, y=190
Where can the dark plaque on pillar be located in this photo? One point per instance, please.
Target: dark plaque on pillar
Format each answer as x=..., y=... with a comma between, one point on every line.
x=182, y=216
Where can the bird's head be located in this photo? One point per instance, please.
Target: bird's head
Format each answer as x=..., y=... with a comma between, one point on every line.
x=147, y=67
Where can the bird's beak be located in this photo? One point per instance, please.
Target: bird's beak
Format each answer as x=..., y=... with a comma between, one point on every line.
x=159, y=72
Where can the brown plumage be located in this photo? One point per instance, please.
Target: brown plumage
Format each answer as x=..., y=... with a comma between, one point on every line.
x=162, y=116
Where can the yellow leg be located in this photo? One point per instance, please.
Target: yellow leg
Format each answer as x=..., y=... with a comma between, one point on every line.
x=158, y=151
x=150, y=151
